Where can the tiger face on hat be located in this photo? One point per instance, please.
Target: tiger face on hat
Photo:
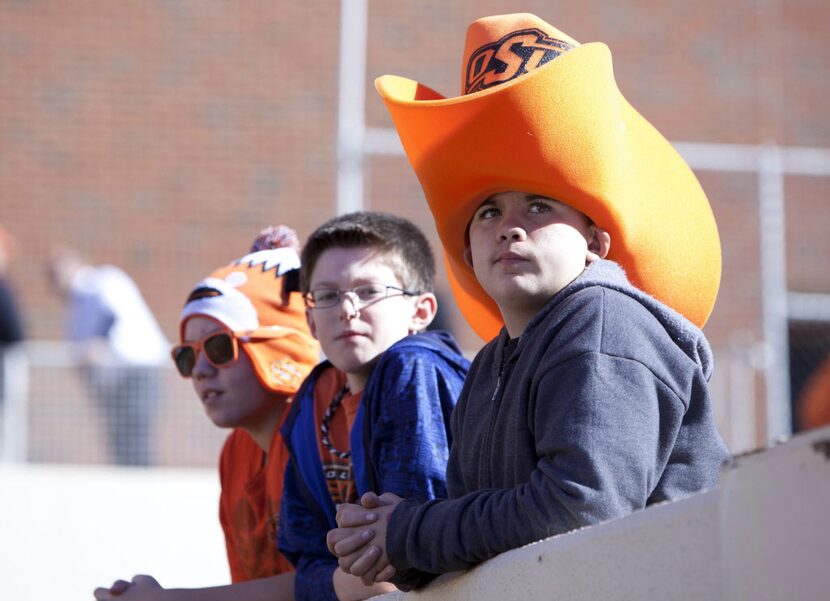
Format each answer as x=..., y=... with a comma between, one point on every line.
x=259, y=294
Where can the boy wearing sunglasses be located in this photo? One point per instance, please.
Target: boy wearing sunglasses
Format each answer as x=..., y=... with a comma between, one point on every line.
x=375, y=415
x=246, y=346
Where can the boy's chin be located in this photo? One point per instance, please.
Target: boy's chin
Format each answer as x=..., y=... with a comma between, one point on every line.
x=357, y=364
x=522, y=300
x=221, y=420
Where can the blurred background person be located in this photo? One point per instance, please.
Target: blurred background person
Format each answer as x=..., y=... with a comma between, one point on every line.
x=120, y=348
x=11, y=324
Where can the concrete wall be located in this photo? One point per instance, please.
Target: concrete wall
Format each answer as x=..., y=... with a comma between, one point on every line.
x=765, y=535
x=66, y=530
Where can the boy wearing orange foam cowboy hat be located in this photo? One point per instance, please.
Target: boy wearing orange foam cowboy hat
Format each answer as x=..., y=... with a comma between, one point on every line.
x=246, y=345
x=592, y=399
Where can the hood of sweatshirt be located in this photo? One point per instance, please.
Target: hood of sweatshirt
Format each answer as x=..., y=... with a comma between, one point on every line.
x=438, y=341
x=607, y=274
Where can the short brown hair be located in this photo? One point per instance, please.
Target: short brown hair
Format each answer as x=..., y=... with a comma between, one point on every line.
x=400, y=240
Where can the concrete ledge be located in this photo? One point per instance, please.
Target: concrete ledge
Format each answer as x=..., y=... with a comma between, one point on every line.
x=765, y=534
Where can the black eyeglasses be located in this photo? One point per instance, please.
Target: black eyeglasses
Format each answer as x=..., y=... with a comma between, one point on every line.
x=325, y=298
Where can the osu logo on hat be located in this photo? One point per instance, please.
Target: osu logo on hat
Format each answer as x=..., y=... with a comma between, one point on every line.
x=287, y=372
x=513, y=55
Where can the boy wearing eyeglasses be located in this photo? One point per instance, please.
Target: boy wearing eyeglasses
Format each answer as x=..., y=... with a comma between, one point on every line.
x=246, y=346
x=584, y=249
x=375, y=415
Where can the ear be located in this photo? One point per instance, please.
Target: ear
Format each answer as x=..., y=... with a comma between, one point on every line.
x=468, y=256
x=426, y=306
x=310, y=320
x=599, y=243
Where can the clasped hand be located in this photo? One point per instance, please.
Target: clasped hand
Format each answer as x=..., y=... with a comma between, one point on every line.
x=141, y=587
x=359, y=541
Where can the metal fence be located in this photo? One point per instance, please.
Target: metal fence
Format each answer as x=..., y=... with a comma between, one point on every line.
x=55, y=410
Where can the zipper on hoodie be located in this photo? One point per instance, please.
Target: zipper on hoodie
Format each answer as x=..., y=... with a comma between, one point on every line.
x=495, y=403
x=484, y=460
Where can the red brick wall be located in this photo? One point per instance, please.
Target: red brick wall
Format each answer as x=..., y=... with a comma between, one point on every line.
x=161, y=135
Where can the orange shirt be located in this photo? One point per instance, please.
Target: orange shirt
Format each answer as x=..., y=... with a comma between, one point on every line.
x=337, y=471
x=249, y=506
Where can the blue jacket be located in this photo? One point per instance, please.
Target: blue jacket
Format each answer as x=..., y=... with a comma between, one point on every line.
x=400, y=443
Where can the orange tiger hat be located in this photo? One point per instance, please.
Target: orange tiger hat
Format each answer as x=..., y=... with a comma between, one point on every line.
x=254, y=293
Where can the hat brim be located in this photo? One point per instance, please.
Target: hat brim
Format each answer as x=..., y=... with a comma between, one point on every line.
x=281, y=364
x=564, y=131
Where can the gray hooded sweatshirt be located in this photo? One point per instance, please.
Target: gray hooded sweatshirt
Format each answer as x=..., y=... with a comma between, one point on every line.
x=600, y=408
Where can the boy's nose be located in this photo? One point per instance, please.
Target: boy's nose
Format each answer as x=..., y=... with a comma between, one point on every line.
x=512, y=232
x=348, y=310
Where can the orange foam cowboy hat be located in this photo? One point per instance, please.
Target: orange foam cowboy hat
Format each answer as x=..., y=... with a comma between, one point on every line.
x=542, y=114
